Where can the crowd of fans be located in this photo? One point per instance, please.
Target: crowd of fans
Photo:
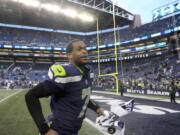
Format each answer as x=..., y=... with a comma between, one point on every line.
x=21, y=75
x=154, y=73
x=38, y=38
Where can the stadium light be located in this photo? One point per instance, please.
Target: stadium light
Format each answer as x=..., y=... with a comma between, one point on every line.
x=15, y=0
x=86, y=17
x=50, y=7
x=56, y=9
x=32, y=3
x=70, y=12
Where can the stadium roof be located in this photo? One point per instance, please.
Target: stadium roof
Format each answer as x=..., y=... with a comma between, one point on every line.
x=48, y=14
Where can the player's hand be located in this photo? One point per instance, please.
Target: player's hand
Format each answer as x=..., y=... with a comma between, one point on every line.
x=51, y=132
x=102, y=111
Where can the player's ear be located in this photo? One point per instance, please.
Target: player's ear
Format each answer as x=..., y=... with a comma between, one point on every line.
x=69, y=55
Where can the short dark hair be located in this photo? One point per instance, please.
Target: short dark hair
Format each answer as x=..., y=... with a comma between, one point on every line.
x=69, y=47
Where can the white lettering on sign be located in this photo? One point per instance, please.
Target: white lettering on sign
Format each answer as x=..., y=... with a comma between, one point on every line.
x=166, y=10
x=151, y=92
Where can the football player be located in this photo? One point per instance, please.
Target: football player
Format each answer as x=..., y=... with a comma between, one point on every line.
x=69, y=87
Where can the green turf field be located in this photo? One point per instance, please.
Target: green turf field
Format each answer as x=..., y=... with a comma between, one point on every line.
x=6, y=93
x=15, y=118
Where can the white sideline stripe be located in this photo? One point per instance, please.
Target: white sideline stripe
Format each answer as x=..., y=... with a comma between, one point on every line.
x=108, y=93
x=94, y=125
x=10, y=96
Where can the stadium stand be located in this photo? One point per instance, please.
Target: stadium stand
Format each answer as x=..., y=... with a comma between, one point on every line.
x=30, y=37
x=137, y=73
x=22, y=75
x=149, y=73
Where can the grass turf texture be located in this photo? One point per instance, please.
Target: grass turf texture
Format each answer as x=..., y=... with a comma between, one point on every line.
x=16, y=120
x=5, y=93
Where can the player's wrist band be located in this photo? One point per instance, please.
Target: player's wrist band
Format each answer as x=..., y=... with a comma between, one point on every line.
x=44, y=129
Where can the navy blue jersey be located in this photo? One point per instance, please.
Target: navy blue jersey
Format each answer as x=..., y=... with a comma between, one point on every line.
x=71, y=90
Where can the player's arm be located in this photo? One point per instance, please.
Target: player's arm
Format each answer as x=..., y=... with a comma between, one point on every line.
x=34, y=106
x=44, y=89
x=95, y=107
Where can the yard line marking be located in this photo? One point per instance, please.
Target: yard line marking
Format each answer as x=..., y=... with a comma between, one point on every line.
x=10, y=96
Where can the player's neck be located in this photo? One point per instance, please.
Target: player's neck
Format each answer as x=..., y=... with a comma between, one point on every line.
x=79, y=66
